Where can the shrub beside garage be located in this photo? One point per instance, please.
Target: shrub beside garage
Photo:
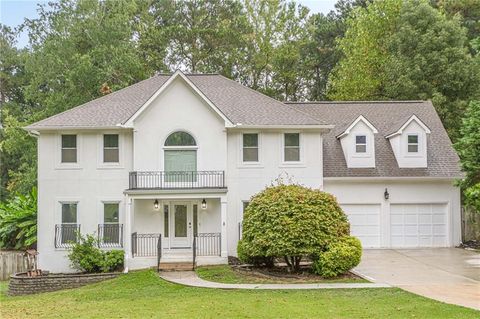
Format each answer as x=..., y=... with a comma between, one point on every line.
x=293, y=222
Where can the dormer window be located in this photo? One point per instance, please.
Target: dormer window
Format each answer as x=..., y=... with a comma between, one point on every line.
x=361, y=144
x=412, y=141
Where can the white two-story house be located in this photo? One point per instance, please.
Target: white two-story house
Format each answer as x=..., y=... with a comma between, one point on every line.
x=164, y=168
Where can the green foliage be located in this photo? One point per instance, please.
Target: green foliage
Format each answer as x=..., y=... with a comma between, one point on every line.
x=340, y=256
x=85, y=256
x=404, y=50
x=291, y=221
x=18, y=221
x=242, y=252
x=468, y=148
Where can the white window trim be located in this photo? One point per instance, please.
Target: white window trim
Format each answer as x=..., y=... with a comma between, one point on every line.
x=301, y=162
x=420, y=143
x=121, y=151
x=257, y=164
x=58, y=152
x=368, y=152
x=179, y=148
x=101, y=212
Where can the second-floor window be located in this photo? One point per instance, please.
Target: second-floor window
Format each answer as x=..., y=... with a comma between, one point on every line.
x=291, y=152
x=110, y=148
x=69, y=148
x=361, y=144
x=412, y=143
x=250, y=147
x=180, y=158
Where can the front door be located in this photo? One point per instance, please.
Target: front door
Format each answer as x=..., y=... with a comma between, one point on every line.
x=181, y=225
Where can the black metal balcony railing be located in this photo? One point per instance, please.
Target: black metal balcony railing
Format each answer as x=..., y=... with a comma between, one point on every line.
x=177, y=180
x=66, y=235
x=110, y=235
x=145, y=245
x=208, y=244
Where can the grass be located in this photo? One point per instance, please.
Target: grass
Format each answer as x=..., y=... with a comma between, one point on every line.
x=226, y=274
x=144, y=295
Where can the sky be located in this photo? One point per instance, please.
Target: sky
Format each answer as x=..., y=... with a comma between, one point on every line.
x=13, y=12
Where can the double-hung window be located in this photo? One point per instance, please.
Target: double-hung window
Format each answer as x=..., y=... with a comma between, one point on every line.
x=250, y=147
x=361, y=144
x=291, y=151
x=412, y=143
x=69, y=148
x=111, y=227
x=69, y=223
x=110, y=148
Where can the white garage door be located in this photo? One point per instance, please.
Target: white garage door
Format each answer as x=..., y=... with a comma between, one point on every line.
x=418, y=225
x=364, y=223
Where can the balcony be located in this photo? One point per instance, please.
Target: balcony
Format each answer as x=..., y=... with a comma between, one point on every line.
x=177, y=180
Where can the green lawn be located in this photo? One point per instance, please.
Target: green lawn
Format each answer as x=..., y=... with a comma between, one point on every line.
x=225, y=274
x=144, y=295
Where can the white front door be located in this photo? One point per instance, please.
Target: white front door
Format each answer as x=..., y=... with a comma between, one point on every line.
x=181, y=225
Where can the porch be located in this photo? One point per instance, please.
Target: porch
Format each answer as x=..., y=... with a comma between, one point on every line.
x=186, y=227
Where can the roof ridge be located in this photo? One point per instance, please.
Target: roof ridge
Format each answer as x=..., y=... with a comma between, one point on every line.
x=271, y=98
x=358, y=102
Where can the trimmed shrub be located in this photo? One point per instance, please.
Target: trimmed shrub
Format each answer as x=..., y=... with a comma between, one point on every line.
x=253, y=260
x=85, y=256
x=340, y=257
x=291, y=221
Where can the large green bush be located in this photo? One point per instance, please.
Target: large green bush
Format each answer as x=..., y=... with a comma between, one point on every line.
x=85, y=256
x=340, y=256
x=18, y=221
x=291, y=221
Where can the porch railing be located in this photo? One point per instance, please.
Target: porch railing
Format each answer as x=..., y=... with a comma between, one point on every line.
x=208, y=244
x=145, y=245
x=110, y=235
x=177, y=180
x=66, y=235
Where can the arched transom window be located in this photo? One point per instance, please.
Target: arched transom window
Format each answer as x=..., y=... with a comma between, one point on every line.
x=180, y=156
x=180, y=139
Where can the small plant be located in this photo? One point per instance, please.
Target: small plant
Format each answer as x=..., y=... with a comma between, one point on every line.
x=86, y=256
x=18, y=221
x=340, y=257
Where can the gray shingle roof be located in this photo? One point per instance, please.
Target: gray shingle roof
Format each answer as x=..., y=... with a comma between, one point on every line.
x=238, y=103
x=442, y=161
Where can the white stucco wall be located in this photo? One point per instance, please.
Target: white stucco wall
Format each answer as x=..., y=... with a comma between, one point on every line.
x=407, y=191
x=88, y=182
x=245, y=180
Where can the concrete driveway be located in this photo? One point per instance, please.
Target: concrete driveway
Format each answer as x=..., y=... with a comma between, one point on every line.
x=451, y=275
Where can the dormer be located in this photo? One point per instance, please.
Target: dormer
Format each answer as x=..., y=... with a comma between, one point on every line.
x=358, y=143
x=409, y=143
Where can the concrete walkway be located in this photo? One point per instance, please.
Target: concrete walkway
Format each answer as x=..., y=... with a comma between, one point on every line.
x=451, y=275
x=190, y=278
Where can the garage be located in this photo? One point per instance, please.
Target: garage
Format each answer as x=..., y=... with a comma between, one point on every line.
x=364, y=223
x=418, y=225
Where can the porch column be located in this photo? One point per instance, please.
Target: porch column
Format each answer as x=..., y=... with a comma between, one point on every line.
x=128, y=231
x=223, y=210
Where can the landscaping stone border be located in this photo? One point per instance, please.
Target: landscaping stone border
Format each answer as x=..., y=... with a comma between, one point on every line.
x=20, y=284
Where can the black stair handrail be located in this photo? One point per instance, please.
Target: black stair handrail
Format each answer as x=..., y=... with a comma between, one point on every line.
x=159, y=251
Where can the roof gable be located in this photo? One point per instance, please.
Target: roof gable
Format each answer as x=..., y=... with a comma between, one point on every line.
x=405, y=124
x=178, y=74
x=362, y=119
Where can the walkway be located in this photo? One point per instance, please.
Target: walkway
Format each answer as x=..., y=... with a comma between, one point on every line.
x=451, y=275
x=190, y=278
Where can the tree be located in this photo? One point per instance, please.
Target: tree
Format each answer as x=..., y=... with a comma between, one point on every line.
x=291, y=221
x=407, y=50
x=468, y=148
x=18, y=221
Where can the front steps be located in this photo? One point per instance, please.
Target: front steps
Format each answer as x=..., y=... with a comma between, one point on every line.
x=176, y=266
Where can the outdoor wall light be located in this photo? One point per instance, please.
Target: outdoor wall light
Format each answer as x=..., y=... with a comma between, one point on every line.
x=204, y=204
x=386, y=194
x=155, y=204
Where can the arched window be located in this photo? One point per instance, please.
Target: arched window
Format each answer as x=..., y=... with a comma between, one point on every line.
x=180, y=139
x=180, y=157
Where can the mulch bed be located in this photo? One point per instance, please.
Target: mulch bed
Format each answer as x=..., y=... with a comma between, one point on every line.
x=281, y=273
